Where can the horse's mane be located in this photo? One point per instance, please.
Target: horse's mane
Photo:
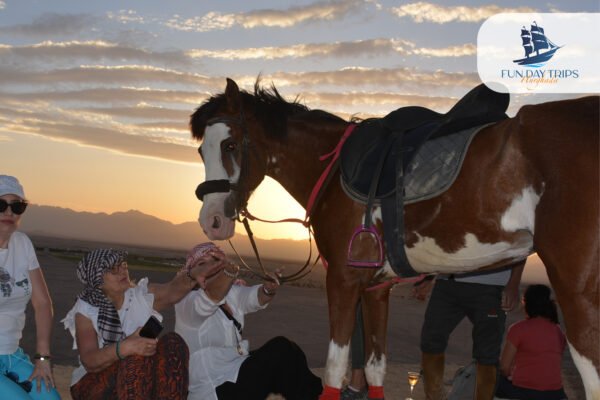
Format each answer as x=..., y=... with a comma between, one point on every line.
x=265, y=104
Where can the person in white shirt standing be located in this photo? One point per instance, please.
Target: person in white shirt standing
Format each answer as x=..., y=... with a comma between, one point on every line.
x=211, y=322
x=21, y=280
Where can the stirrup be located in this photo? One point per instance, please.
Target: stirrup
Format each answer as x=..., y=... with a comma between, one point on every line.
x=371, y=232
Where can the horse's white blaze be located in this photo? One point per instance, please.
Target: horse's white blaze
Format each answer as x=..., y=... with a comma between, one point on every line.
x=211, y=153
x=427, y=256
x=375, y=370
x=521, y=213
x=213, y=203
x=337, y=362
x=589, y=376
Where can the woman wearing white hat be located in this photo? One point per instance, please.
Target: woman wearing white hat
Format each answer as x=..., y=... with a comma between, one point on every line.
x=21, y=280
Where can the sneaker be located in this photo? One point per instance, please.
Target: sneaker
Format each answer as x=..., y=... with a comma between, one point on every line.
x=349, y=394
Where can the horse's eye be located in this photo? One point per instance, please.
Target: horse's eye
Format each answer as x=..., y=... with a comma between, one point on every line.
x=229, y=147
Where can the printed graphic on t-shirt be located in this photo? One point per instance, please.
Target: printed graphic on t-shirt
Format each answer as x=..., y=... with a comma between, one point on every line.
x=8, y=283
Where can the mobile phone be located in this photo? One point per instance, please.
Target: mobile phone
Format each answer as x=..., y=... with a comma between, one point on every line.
x=151, y=328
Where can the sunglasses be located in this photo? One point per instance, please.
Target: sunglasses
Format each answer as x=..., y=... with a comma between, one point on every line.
x=17, y=207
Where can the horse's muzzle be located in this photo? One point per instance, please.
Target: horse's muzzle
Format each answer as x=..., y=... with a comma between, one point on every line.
x=232, y=202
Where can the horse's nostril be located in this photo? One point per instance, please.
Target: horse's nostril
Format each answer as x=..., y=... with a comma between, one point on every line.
x=216, y=223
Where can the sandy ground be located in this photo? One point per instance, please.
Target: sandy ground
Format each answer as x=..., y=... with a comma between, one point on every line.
x=300, y=313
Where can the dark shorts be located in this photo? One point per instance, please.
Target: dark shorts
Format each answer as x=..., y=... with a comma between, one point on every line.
x=450, y=302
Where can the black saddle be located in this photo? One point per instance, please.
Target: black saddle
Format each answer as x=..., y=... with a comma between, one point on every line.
x=373, y=159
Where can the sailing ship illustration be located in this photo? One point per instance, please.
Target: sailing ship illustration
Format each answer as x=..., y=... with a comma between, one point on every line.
x=535, y=40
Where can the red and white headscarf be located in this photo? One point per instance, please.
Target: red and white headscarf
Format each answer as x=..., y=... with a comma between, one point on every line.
x=197, y=252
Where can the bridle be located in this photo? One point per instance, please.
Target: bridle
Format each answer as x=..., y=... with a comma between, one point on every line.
x=224, y=185
x=240, y=210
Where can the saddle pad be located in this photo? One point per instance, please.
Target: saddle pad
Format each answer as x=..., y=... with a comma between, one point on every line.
x=436, y=165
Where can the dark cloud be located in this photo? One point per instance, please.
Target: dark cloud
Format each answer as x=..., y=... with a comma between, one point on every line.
x=52, y=24
x=96, y=74
x=97, y=50
x=143, y=112
x=108, y=96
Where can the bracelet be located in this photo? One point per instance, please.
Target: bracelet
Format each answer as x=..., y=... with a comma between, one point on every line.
x=40, y=357
x=119, y=356
x=266, y=292
x=231, y=275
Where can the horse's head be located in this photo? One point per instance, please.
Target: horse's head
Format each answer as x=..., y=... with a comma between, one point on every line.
x=234, y=159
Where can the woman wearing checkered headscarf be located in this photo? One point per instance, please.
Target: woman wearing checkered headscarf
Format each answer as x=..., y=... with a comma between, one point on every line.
x=90, y=272
x=105, y=323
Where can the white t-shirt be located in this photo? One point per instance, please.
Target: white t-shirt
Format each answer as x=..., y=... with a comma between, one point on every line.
x=213, y=339
x=15, y=289
x=135, y=311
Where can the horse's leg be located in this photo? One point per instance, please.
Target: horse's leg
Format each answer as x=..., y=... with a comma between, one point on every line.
x=342, y=296
x=573, y=271
x=375, y=313
x=564, y=160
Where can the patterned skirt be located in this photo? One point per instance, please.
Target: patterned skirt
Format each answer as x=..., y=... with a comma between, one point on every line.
x=161, y=376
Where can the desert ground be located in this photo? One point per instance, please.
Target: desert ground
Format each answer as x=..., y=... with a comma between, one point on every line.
x=298, y=312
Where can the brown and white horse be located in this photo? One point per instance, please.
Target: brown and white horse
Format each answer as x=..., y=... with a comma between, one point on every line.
x=528, y=184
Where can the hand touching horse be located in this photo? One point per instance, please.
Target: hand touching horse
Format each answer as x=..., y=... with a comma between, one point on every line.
x=527, y=184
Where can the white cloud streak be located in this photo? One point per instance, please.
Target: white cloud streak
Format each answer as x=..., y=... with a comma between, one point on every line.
x=126, y=17
x=359, y=48
x=319, y=11
x=429, y=12
x=383, y=78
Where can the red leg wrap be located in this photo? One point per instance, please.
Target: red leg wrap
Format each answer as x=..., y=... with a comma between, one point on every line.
x=376, y=392
x=330, y=393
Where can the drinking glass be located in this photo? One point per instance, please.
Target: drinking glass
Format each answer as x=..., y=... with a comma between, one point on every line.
x=413, y=378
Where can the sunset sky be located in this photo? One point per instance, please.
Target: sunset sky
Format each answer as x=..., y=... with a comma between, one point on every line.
x=95, y=96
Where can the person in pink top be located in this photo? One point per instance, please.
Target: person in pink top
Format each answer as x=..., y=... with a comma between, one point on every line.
x=531, y=359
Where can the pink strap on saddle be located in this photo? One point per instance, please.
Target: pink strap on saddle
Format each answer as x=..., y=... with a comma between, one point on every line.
x=335, y=154
x=396, y=280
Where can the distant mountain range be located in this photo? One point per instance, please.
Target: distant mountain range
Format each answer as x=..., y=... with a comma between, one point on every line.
x=139, y=229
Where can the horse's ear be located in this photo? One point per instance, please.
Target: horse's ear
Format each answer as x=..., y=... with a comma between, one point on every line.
x=232, y=94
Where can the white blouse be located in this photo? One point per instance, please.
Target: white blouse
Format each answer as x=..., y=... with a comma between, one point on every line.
x=135, y=311
x=217, y=349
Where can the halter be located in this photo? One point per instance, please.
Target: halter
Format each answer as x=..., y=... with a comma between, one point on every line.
x=240, y=211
